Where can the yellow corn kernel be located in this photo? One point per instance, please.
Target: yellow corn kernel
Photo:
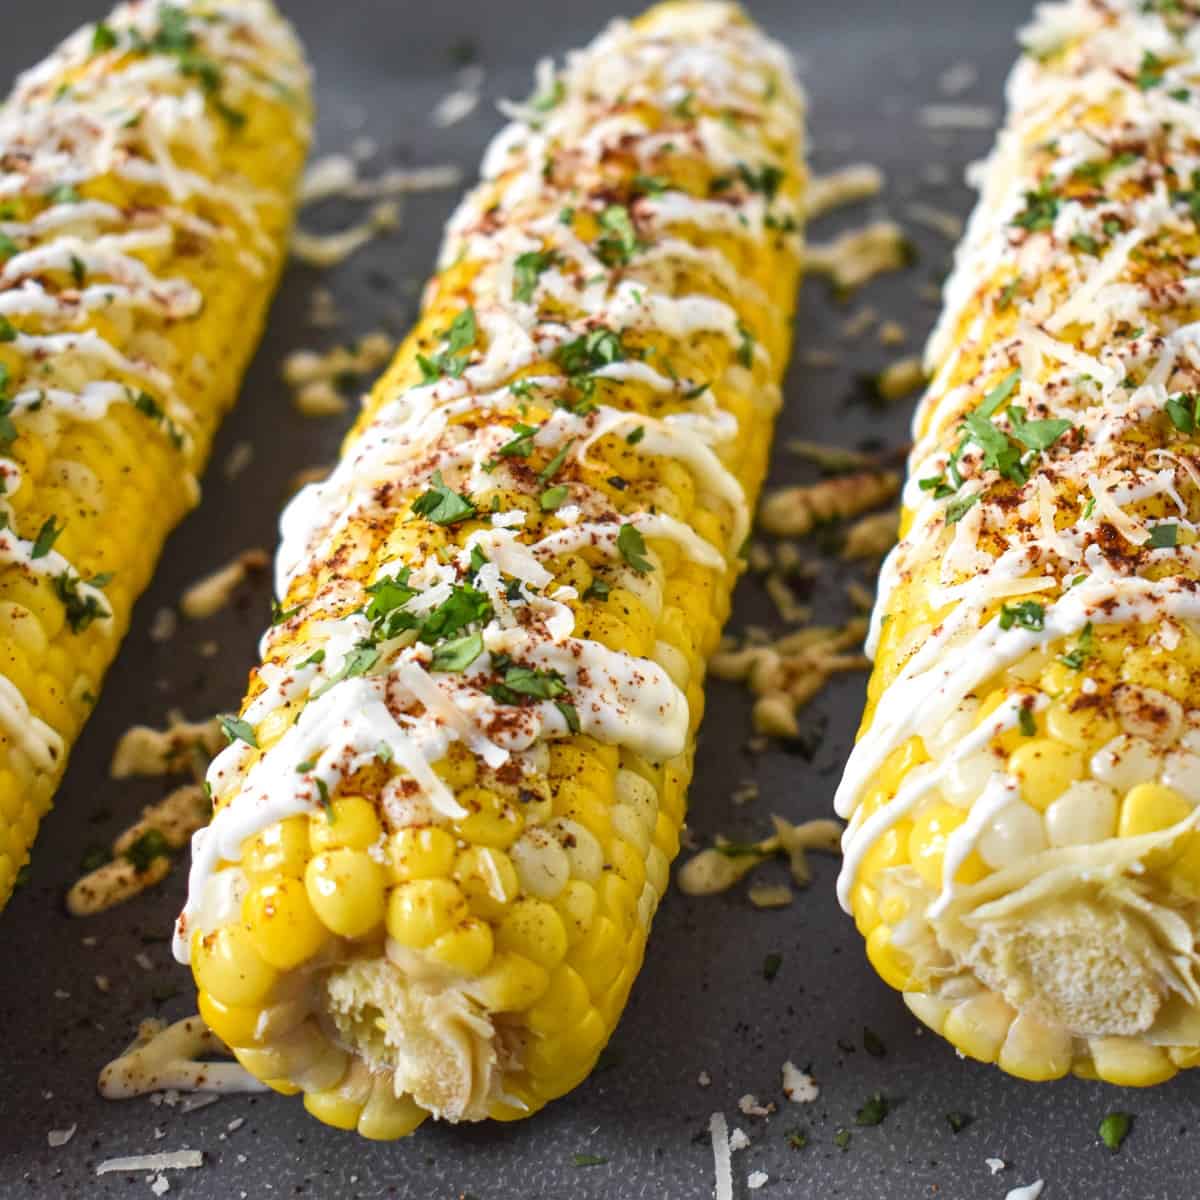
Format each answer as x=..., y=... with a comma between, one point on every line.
x=281, y=849
x=458, y=770
x=628, y=864
x=577, y=905
x=599, y=954
x=235, y=1026
x=533, y=929
x=927, y=846
x=1080, y=726
x=510, y=984
x=488, y=879
x=350, y=821
x=593, y=812
x=466, y=949
x=421, y=852
x=493, y=821
x=423, y=910
x=1034, y=1050
x=1129, y=1062
x=226, y=965
x=978, y=1026
x=563, y=1005
x=387, y=1116
x=333, y=1108
x=346, y=889
x=1149, y=808
x=891, y=964
x=1045, y=769
x=282, y=924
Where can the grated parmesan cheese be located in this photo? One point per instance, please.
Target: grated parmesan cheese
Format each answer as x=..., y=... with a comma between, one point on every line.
x=859, y=181
x=756, y=1180
x=859, y=255
x=171, y=1160
x=958, y=116
x=209, y=595
x=798, y=1086
x=60, y=1137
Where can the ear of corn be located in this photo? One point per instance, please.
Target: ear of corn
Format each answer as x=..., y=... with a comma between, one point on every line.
x=1023, y=856
x=145, y=196
x=460, y=774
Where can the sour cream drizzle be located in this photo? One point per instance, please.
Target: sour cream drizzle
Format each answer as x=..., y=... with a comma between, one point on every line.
x=1097, y=338
x=698, y=56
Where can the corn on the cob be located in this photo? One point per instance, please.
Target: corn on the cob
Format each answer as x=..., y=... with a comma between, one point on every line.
x=1023, y=856
x=459, y=776
x=146, y=177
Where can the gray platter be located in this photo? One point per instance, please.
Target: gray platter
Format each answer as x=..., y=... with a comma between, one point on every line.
x=702, y=1002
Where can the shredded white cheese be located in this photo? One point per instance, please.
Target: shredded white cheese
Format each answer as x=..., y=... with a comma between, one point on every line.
x=171, y=1160
x=798, y=1086
x=722, y=1160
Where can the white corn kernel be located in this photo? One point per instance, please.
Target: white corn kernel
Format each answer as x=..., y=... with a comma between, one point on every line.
x=1014, y=833
x=1181, y=771
x=1085, y=813
x=967, y=777
x=581, y=847
x=1126, y=761
x=952, y=730
x=637, y=793
x=543, y=868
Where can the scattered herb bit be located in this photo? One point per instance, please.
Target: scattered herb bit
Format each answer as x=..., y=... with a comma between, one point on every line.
x=550, y=98
x=518, y=682
x=1028, y=614
x=237, y=730
x=8, y=247
x=590, y=352
x=841, y=1139
x=635, y=435
x=8, y=331
x=457, y=655
x=47, y=536
x=383, y=752
x=958, y=508
x=771, y=965
x=1150, y=73
x=745, y=350
x=357, y=662
x=632, y=546
x=1026, y=721
x=279, y=614
x=765, y=180
x=1082, y=652
x=797, y=1139
x=958, y=1121
x=873, y=1111
x=303, y=768
x=326, y=802
x=553, y=467
x=443, y=505
x=452, y=361
x=1114, y=1129
x=873, y=1043
x=1007, y=293
x=649, y=185
x=78, y=270
x=570, y=714
x=553, y=498
x=146, y=849
x=527, y=270
x=587, y=1160
x=94, y=857
x=619, y=242
x=64, y=194
x=1084, y=242
x=1184, y=411
x=1164, y=536
x=598, y=589
x=1037, y=435
x=103, y=38
x=81, y=608
x=1089, y=508
x=1040, y=211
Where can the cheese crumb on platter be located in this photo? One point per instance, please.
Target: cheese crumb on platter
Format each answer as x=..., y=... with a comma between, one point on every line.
x=995, y=1165
x=738, y=1140
x=859, y=181
x=60, y=1137
x=718, y=1130
x=756, y=1180
x=798, y=1086
x=1030, y=1192
x=209, y=595
x=171, y=1160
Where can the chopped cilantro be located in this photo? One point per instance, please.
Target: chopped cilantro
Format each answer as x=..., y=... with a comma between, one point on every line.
x=94, y=857
x=357, y=662
x=587, y=1160
x=1163, y=536
x=1084, y=242
x=527, y=270
x=518, y=682
x=553, y=498
x=999, y=393
x=553, y=467
x=103, y=38
x=771, y=965
x=1150, y=72
x=841, y=1139
x=1026, y=721
x=520, y=446
x=452, y=361
x=1007, y=293
x=65, y=193
x=745, y=350
x=1027, y=614
x=873, y=1111
x=326, y=802
x=632, y=546
x=1184, y=410
x=1114, y=1129
x=635, y=435
x=1037, y=435
x=598, y=589
x=570, y=714
x=958, y=1121
x=550, y=98
x=388, y=594
x=8, y=247
x=1083, y=650
x=146, y=849
x=765, y=180
x=443, y=505
x=1040, y=211
x=619, y=242
x=8, y=331
x=959, y=507
x=82, y=609
x=47, y=536
x=797, y=1139
x=237, y=730
x=457, y=655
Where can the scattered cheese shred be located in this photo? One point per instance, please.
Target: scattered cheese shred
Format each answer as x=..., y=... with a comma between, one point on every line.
x=722, y=1160
x=171, y=1160
x=859, y=181
x=958, y=116
x=995, y=1165
x=756, y=1180
x=60, y=1137
x=858, y=256
x=799, y=1086
x=796, y=511
x=314, y=376
x=184, y=746
x=1030, y=1192
x=209, y=595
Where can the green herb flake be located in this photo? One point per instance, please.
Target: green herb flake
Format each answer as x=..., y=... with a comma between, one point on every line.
x=1040, y=211
x=553, y=467
x=632, y=546
x=841, y=1139
x=771, y=965
x=527, y=270
x=1183, y=411
x=1027, y=614
x=47, y=536
x=94, y=857
x=1084, y=648
x=553, y=498
x=873, y=1043
x=619, y=241
x=81, y=608
x=1150, y=72
x=958, y=508
x=8, y=331
x=457, y=655
x=146, y=849
x=520, y=446
x=443, y=505
x=1163, y=536
x=587, y=1160
x=237, y=730
x=357, y=662
x=635, y=435
x=570, y=714
x=1026, y=721
x=1114, y=1129
x=745, y=350
x=873, y=1110
x=1037, y=435
x=460, y=338
x=796, y=1139
x=103, y=38
x=958, y=1121
x=598, y=589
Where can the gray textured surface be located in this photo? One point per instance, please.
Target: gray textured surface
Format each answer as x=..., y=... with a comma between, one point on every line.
x=702, y=1002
